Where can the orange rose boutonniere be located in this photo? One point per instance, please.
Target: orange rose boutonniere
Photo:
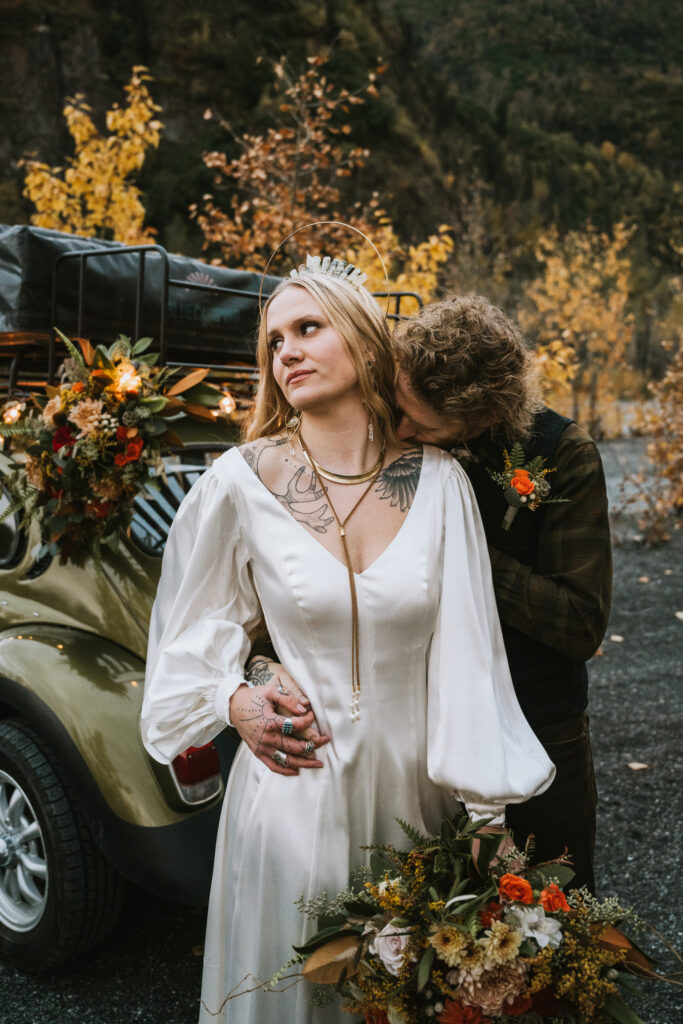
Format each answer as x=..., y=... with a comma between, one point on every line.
x=524, y=483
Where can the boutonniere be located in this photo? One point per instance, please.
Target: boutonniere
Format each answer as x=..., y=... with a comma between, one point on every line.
x=524, y=483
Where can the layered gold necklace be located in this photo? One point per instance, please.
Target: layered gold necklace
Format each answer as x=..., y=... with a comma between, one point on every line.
x=338, y=478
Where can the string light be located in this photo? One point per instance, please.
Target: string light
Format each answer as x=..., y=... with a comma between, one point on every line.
x=12, y=413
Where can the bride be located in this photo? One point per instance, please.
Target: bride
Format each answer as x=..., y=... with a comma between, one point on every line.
x=368, y=563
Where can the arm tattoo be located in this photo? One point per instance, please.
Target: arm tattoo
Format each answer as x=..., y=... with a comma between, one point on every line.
x=398, y=481
x=258, y=673
x=302, y=498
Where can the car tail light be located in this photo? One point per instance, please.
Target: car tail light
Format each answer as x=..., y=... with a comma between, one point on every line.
x=197, y=773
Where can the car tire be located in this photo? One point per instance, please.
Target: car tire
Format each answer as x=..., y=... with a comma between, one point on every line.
x=58, y=894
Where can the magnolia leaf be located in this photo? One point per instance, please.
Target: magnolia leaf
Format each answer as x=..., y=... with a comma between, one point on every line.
x=334, y=961
x=87, y=350
x=200, y=411
x=425, y=967
x=619, y=1011
x=635, y=961
x=140, y=346
x=542, y=874
x=336, y=927
x=101, y=360
x=154, y=404
x=203, y=394
x=173, y=439
x=188, y=381
x=51, y=391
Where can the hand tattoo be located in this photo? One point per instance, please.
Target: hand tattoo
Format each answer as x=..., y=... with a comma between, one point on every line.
x=259, y=673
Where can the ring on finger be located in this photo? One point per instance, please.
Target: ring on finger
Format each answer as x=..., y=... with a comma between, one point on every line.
x=281, y=689
x=309, y=747
x=287, y=727
x=280, y=758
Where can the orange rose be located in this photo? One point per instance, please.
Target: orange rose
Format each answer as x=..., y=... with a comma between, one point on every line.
x=552, y=898
x=522, y=482
x=515, y=889
x=77, y=387
x=131, y=454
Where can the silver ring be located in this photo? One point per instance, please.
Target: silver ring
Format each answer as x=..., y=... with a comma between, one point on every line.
x=309, y=747
x=287, y=727
x=280, y=758
x=281, y=689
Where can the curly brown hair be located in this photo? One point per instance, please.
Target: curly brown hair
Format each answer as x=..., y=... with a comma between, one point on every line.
x=469, y=361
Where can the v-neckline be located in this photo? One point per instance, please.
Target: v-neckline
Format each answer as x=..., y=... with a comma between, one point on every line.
x=307, y=533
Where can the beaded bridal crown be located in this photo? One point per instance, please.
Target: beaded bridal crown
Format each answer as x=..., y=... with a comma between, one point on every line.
x=332, y=267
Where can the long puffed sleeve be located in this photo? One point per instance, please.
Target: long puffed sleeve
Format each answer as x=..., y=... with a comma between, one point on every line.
x=204, y=609
x=480, y=743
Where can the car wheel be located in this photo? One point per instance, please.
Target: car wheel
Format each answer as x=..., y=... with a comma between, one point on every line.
x=58, y=894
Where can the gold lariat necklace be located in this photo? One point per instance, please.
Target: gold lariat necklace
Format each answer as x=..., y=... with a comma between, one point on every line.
x=354, y=703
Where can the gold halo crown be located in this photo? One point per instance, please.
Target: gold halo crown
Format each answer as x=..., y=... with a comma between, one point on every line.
x=332, y=267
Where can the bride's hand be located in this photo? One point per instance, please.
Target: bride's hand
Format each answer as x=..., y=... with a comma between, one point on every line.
x=256, y=713
x=262, y=670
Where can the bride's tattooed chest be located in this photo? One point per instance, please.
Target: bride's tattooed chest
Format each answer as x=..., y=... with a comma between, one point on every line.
x=298, y=490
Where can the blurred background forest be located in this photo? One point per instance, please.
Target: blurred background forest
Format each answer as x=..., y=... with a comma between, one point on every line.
x=529, y=150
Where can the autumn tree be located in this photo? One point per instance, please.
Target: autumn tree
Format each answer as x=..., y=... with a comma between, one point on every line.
x=292, y=175
x=577, y=311
x=94, y=193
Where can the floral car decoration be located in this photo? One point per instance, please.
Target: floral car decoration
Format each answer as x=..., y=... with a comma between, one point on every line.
x=434, y=936
x=524, y=483
x=95, y=441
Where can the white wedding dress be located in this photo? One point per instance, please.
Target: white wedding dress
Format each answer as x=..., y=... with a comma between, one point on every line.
x=439, y=721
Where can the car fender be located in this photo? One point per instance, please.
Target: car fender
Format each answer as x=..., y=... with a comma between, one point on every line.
x=83, y=694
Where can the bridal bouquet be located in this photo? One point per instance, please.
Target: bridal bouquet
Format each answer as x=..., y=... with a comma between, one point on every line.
x=434, y=936
x=94, y=442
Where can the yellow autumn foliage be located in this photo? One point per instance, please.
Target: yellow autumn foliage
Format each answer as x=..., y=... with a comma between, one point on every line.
x=93, y=194
x=577, y=312
x=290, y=176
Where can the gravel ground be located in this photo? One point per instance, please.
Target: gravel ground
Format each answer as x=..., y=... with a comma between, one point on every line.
x=149, y=970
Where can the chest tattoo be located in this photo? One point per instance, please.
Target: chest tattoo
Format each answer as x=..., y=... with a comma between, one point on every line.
x=398, y=481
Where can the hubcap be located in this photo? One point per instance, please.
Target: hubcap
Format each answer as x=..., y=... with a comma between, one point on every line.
x=23, y=863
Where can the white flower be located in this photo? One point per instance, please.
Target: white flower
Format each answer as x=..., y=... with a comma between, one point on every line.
x=389, y=945
x=534, y=924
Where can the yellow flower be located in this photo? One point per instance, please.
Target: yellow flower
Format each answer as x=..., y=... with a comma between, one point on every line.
x=501, y=944
x=450, y=944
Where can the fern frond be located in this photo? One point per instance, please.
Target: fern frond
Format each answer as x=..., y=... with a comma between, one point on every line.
x=516, y=456
x=71, y=348
x=412, y=833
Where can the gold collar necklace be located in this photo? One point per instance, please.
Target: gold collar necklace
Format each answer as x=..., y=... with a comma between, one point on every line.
x=354, y=703
x=342, y=478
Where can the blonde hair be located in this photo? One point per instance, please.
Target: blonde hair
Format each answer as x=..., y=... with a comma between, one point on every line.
x=470, y=362
x=361, y=325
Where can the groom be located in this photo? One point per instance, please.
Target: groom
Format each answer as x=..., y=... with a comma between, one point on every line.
x=468, y=382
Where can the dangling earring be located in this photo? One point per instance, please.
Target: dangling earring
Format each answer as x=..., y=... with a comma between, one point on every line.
x=371, y=430
x=292, y=429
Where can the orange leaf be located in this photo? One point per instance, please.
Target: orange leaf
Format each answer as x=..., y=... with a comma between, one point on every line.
x=200, y=411
x=186, y=382
x=635, y=961
x=87, y=350
x=334, y=961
